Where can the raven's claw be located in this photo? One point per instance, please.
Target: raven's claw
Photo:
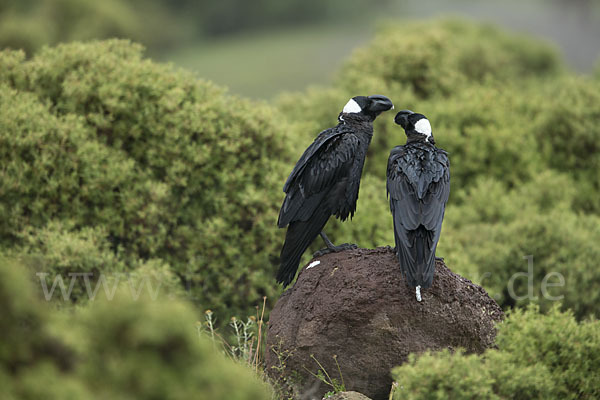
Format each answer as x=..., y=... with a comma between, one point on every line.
x=335, y=249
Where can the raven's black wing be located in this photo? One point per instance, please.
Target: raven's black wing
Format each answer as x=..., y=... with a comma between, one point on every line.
x=321, y=139
x=324, y=163
x=418, y=184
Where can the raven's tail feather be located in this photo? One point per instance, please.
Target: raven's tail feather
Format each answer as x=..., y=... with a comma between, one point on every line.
x=424, y=257
x=417, y=262
x=299, y=236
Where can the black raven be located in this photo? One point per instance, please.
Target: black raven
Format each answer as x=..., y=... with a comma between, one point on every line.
x=325, y=181
x=418, y=186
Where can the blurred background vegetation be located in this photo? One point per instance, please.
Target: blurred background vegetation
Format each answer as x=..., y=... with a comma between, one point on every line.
x=116, y=162
x=263, y=47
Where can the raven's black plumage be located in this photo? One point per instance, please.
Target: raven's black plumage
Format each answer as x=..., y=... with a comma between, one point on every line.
x=418, y=185
x=326, y=179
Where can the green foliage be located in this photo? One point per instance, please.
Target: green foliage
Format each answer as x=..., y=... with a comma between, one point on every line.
x=60, y=253
x=21, y=319
x=151, y=350
x=459, y=376
x=492, y=228
x=121, y=349
x=165, y=166
x=77, y=265
x=563, y=250
x=440, y=58
x=53, y=168
x=569, y=132
x=570, y=350
x=538, y=357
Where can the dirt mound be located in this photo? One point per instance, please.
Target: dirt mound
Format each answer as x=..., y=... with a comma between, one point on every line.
x=354, y=305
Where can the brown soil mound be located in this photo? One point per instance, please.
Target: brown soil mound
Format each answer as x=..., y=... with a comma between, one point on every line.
x=356, y=306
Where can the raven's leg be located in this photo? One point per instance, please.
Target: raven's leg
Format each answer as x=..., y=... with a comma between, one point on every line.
x=331, y=248
x=328, y=242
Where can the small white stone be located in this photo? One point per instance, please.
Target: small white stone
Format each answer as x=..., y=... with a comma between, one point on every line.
x=418, y=291
x=351, y=107
x=313, y=264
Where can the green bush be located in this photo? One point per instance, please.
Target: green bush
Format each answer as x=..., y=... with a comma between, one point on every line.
x=152, y=350
x=22, y=320
x=568, y=131
x=458, y=376
x=121, y=348
x=439, y=58
x=79, y=265
x=166, y=166
x=52, y=167
x=570, y=350
x=538, y=357
x=493, y=228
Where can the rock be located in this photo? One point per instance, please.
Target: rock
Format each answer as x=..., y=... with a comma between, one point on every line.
x=355, y=306
x=348, y=396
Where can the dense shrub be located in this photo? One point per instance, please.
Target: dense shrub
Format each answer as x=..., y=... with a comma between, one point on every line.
x=78, y=265
x=458, y=376
x=54, y=169
x=568, y=131
x=570, y=350
x=152, y=350
x=488, y=234
x=441, y=58
x=22, y=320
x=122, y=349
x=166, y=166
x=538, y=357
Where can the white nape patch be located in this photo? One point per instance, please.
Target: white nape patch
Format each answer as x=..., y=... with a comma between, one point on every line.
x=423, y=127
x=351, y=107
x=313, y=264
x=418, y=290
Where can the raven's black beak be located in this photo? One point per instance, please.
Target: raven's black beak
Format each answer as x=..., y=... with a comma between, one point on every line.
x=380, y=104
x=401, y=117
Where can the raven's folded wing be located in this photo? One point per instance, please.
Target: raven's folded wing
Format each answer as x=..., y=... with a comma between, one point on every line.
x=326, y=161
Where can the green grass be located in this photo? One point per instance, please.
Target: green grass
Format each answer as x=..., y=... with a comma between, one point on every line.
x=265, y=64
